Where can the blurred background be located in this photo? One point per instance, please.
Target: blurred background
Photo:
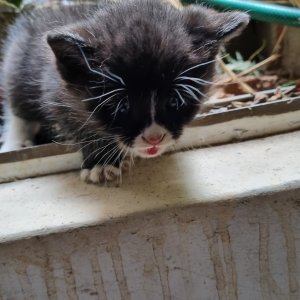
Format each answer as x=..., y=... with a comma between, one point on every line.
x=265, y=58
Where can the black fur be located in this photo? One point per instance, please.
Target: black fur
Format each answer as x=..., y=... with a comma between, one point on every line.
x=55, y=59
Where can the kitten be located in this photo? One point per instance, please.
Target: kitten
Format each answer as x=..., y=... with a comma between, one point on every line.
x=120, y=79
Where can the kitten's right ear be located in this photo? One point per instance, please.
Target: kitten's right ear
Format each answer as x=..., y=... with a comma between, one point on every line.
x=206, y=24
x=72, y=56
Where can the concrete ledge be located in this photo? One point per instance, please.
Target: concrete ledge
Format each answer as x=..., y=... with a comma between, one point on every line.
x=214, y=223
x=59, y=202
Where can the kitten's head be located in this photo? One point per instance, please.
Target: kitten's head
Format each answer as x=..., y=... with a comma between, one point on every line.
x=143, y=67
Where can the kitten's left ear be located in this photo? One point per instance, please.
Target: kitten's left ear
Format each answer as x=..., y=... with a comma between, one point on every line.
x=210, y=24
x=73, y=56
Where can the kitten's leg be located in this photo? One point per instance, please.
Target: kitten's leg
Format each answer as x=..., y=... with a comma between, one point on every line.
x=103, y=162
x=17, y=132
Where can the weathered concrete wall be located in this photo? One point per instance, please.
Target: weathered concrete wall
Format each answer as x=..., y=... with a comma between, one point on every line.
x=237, y=250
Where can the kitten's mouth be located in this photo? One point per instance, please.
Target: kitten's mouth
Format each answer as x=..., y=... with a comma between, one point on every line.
x=142, y=147
x=145, y=152
x=152, y=151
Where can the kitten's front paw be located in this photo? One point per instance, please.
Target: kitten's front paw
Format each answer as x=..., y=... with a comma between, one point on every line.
x=100, y=174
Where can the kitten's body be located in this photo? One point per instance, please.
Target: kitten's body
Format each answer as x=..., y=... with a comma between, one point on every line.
x=120, y=78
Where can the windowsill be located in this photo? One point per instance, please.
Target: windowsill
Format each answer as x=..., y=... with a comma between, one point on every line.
x=61, y=202
x=206, y=130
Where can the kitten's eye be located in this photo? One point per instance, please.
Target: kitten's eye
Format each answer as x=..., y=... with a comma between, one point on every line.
x=174, y=103
x=124, y=107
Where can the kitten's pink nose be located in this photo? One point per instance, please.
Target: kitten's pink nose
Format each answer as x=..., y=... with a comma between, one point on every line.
x=154, y=139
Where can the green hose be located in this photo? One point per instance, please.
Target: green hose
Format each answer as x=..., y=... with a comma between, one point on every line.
x=259, y=11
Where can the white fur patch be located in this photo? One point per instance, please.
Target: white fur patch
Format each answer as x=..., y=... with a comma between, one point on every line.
x=18, y=133
x=152, y=108
x=104, y=174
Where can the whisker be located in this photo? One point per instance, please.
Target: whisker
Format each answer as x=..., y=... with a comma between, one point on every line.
x=117, y=108
x=95, y=109
x=122, y=159
x=119, y=156
x=112, y=153
x=116, y=76
x=87, y=158
x=94, y=71
x=96, y=150
x=103, y=95
x=180, y=97
x=194, y=79
x=109, y=155
x=106, y=101
x=72, y=144
x=199, y=65
x=81, y=148
x=96, y=141
x=189, y=88
x=104, y=147
x=188, y=91
x=96, y=86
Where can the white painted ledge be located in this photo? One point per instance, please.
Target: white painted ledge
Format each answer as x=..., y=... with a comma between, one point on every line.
x=216, y=223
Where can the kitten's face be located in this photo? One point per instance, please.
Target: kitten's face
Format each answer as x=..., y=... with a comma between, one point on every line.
x=151, y=100
x=145, y=67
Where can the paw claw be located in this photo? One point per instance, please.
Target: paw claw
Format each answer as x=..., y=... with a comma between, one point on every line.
x=100, y=174
x=111, y=173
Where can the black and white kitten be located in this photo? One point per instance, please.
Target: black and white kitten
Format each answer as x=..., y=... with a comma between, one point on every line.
x=121, y=78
